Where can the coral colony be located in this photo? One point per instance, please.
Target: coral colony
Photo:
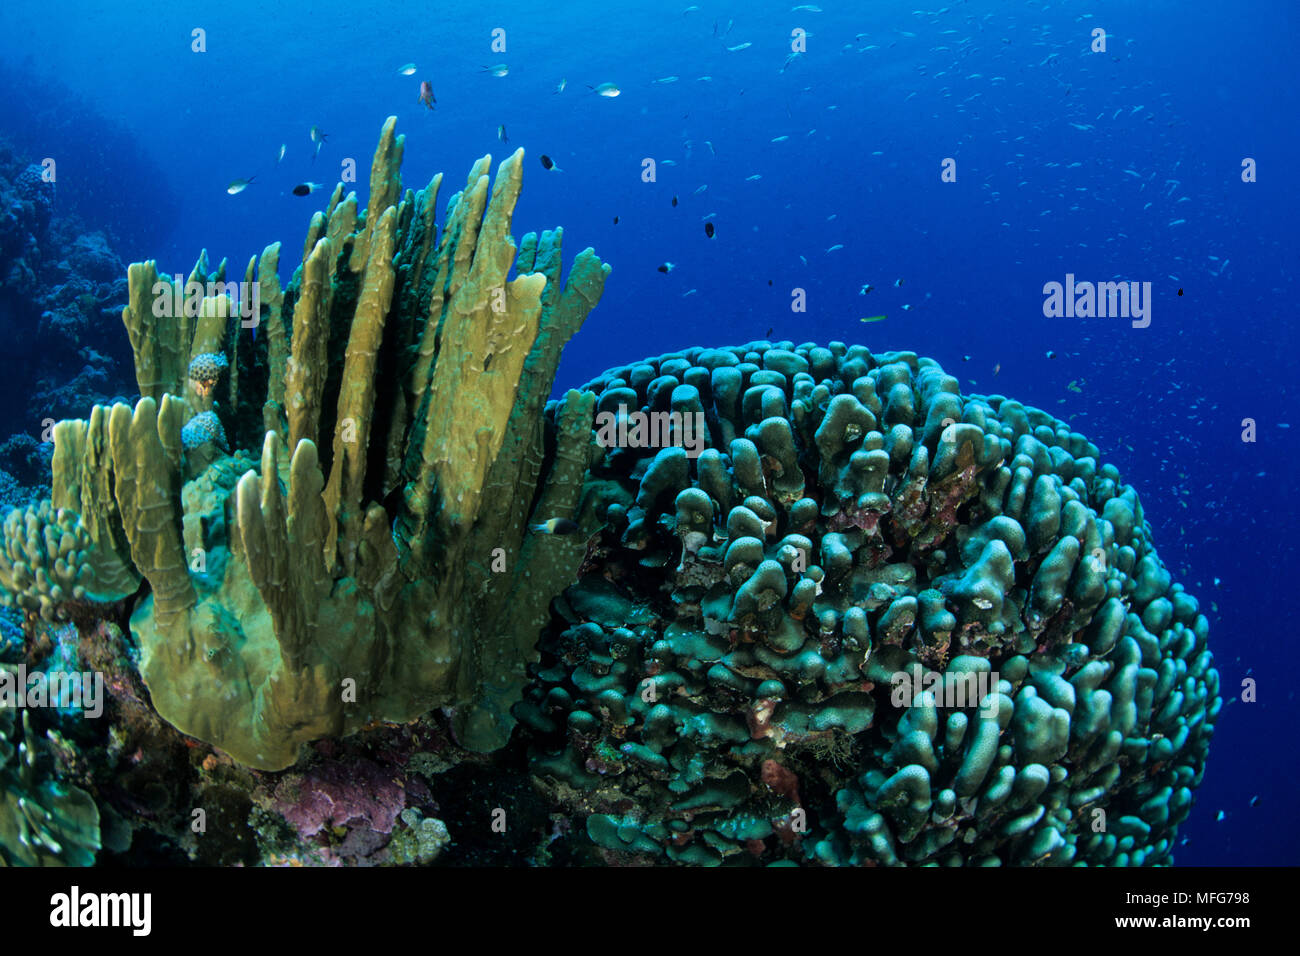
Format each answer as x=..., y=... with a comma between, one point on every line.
x=797, y=603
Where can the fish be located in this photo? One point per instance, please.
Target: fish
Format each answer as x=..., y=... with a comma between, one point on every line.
x=780, y=139
x=906, y=307
x=898, y=283
x=666, y=79
x=790, y=59
x=616, y=220
x=548, y=163
x=689, y=292
x=674, y=202
x=710, y=145
x=239, y=185
x=280, y=155
x=319, y=137
x=754, y=178
x=556, y=526
x=806, y=8
x=667, y=267
x=1074, y=386
x=700, y=189
x=426, y=94
x=708, y=229
x=407, y=70
x=836, y=247
x=499, y=70
x=606, y=89
x=738, y=47
x=873, y=318
x=1051, y=354
x=559, y=88
x=306, y=189
x=866, y=287
x=501, y=133
x=997, y=368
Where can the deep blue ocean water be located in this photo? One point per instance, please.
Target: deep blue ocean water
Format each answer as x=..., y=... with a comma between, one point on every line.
x=823, y=174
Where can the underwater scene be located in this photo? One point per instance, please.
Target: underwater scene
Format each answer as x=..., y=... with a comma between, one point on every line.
x=608, y=434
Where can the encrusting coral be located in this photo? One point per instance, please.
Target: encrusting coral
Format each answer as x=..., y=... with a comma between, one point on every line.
x=866, y=620
x=363, y=554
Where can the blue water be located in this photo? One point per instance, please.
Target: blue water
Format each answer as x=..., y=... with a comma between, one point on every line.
x=1058, y=150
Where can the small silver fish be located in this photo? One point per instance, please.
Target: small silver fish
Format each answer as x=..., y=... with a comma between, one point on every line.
x=499, y=70
x=239, y=185
x=318, y=137
x=280, y=155
x=606, y=89
x=407, y=70
x=560, y=86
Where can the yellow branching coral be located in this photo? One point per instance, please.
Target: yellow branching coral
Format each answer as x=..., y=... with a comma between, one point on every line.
x=350, y=568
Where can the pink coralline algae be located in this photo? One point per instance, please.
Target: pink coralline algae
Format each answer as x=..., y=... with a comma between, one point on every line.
x=358, y=794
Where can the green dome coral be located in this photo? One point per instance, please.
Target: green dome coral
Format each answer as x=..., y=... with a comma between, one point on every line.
x=870, y=621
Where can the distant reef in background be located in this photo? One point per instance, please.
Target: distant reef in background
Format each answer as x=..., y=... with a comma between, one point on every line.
x=62, y=290
x=106, y=174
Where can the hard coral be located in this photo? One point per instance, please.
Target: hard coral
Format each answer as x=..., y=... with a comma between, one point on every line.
x=881, y=535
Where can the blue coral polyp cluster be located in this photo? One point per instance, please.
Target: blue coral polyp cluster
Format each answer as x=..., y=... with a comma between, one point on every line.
x=202, y=429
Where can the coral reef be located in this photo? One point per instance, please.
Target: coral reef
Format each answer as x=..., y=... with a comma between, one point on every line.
x=59, y=285
x=350, y=569
x=873, y=621
x=43, y=822
x=46, y=558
